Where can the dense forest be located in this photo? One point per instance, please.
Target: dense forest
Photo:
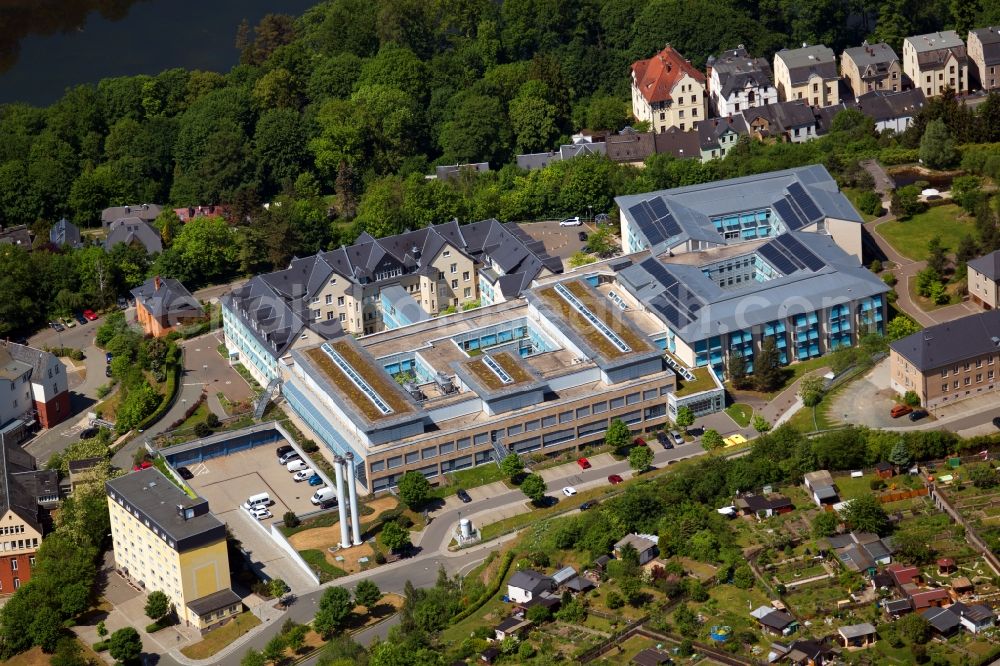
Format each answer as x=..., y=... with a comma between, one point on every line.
x=338, y=114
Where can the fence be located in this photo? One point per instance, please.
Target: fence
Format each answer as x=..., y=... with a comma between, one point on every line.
x=897, y=495
x=974, y=540
x=626, y=632
x=636, y=628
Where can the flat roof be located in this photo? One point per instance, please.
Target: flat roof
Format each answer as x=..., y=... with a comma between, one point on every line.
x=493, y=375
x=165, y=505
x=386, y=399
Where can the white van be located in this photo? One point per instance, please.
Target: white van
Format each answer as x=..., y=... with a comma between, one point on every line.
x=257, y=501
x=297, y=465
x=323, y=496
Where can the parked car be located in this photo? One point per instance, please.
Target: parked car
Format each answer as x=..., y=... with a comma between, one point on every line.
x=303, y=474
x=107, y=371
x=282, y=450
x=582, y=236
x=145, y=464
x=590, y=504
x=677, y=437
x=297, y=465
x=315, y=480
x=463, y=495
x=615, y=479
x=261, y=513
x=56, y=326
x=900, y=410
x=639, y=441
x=664, y=441
x=108, y=356
x=570, y=222
x=917, y=414
x=80, y=318
x=583, y=463
x=287, y=457
x=996, y=421
x=122, y=303
x=69, y=322
x=185, y=473
x=569, y=491
x=88, y=433
x=90, y=315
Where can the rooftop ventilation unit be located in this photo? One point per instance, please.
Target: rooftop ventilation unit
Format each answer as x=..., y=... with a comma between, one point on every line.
x=444, y=383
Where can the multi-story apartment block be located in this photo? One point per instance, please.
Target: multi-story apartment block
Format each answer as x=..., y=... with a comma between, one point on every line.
x=33, y=389
x=737, y=82
x=936, y=61
x=890, y=110
x=984, y=52
x=948, y=362
x=165, y=540
x=983, y=277
x=871, y=67
x=808, y=74
x=378, y=284
x=668, y=91
x=24, y=494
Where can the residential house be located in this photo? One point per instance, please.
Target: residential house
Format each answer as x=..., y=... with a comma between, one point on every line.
x=806, y=652
x=24, y=494
x=737, y=82
x=193, y=212
x=890, y=111
x=778, y=623
x=717, y=136
x=164, y=304
x=33, y=389
x=791, y=122
x=651, y=657
x=677, y=142
x=860, y=551
x=454, y=171
x=857, y=635
x=808, y=74
x=943, y=622
x=936, y=61
x=512, y=626
x=668, y=91
x=961, y=585
x=821, y=489
x=948, y=362
x=65, y=234
x=582, y=146
x=133, y=231
x=885, y=470
x=165, y=540
x=973, y=617
x=18, y=235
x=946, y=566
x=764, y=506
x=145, y=212
x=984, y=52
x=983, y=280
x=871, y=67
x=645, y=545
x=526, y=585
x=630, y=147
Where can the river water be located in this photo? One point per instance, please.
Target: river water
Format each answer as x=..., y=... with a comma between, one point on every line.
x=49, y=45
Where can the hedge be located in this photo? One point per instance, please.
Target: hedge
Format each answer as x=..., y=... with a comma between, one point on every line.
x=100, y=646
x=173, y=383
x=494, y=587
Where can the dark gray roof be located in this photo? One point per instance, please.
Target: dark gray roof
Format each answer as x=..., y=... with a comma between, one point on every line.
x=529, y=580
x=807, y=61
x=170, y=298
x=42, y=484
x=777, y=619
x=579, y=584
x=18, y=235
x=146, y=212
x=975, y=613
x=570, y=150
x=943, y=344
x=872, y=60
x=130, y=230
x=83, y=464
x=158, y=500
x=988, y=265
x=783, y=116
x=934, y=49
x=990, y=39
x=681, y=144
x=63, y=233
x=455, y=170
x=737, y=71
x=710, y=131
x=37, y=359
x=509, y=623
x=532, y=161
x=858, y=630
x=213, y=602
x=898, y=605
x=651, y=657
x=942, y=619
x=16, y=467
x=630, y=146
x=879, y=105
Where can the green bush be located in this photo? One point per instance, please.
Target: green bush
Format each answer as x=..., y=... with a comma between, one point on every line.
x=100, y=646
x=202, y=429
x=893, y=156
x=290, y=519
x=310, y=446
x=212, y=421
x=870, y=203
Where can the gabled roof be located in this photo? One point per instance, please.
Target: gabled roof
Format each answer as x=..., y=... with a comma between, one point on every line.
x=18, y=235
x=942, y=619
x=16, y=465
x=896, y=606
x=808, y=61
x=975, y=613
x=677, y=142
x=925, y=598
x=530, y=581
x=988, y=265
x=637, y=541
x=165, y=297
x=63, y=233
x=872, y=60
x=147, y=212
x=934, y=49
x=737, y=71
x=711, y=130
x=990, y=39
x=785, y=116
x=631, y=146
x=857, y=630
x=943, y=344
x=129, y=230
x=656, y=77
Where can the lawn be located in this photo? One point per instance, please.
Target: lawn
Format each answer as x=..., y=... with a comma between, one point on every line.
x=741, y=413
x=702, y=382
x=197, y=416
x=626, y=650
x=910, y=238
x=952, y=289
x=469, y=478
x=316, y=560
x=564, y=505
x=219, y=638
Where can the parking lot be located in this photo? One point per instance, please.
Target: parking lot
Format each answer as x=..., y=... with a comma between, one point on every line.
x=559, y=241
x=227, y=481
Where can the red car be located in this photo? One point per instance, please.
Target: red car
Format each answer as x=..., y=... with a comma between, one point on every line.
x=583, y=463
x=639, y=441
x=145, y=464
x=90, y=315
x=614, y=479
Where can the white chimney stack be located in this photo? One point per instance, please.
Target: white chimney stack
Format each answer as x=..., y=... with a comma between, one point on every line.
x=338, y=468
x=353, y=491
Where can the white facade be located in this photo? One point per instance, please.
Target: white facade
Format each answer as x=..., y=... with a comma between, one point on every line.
x=739, y=99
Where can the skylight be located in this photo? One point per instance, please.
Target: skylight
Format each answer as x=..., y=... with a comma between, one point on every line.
x=497, y=370
x=595, y=321
x=362, y=385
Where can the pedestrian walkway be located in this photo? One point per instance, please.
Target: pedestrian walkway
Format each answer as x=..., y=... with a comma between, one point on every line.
x=215, y=405
x=781, y=408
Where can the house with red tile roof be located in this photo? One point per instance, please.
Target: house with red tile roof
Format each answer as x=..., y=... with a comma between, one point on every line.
x=668, y=91
x=904, y=575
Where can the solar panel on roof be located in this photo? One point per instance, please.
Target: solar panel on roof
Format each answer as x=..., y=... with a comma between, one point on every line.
x=672, y=314
x=776, y=259
x=805, y=202
x=791, y=248
x=669, y=225
x=813, y=262
x=801, y=253
x=647, y=225
x=659, y=273
x=788, y=215
x=658, y=206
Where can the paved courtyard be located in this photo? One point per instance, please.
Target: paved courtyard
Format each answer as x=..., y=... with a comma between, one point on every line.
x=559, y=241
x=867, y=400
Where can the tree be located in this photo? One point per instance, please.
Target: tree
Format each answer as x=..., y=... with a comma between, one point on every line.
x=278, y=589
x=911, y=398
x=743, y=577
x=936, y=258
x=865, y=514
x=253, y=658
x=914, y=628
x=533, y=486
x=760, y=424
x=414, y=489
x=685, y=417
x=738, y=370
x=900, y=454
x=640, y=458
x=45, y=628
x=274, y=650
x=602, y=242
x=394, y=536
x=157, y=605
x=906, y=202
x=334, y=608
x=825, y=524
x=512, y=466
x=296, y=638
x=125, y=645
x=937, y=150
x=711, y=440
x=618, y=436
x=811, y=390
x=539, y=614
x=900, y=327
x=367, y=594
x=767, y=373
x=984, y=476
